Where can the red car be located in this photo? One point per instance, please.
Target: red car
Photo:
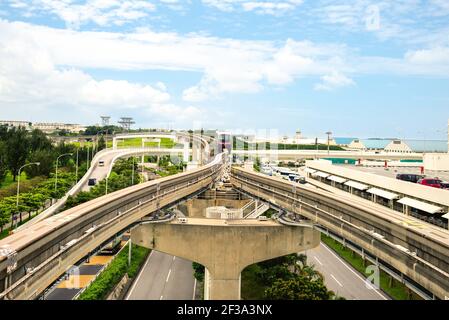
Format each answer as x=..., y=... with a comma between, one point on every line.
x=434, y=183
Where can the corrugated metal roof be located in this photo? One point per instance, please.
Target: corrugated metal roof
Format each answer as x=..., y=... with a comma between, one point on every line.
x=383, y=193
x=420, y=205
x=337, y=179
x=357, y=185
x=321, y=174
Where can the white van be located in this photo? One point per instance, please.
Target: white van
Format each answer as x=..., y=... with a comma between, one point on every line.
x=262, y=218
x=182, y=220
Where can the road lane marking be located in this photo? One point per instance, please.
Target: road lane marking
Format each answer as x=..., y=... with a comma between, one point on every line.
x=138, y=277
x=318, y=261
x=336, y=280
x=174, y=258
x=168, y=275
x=350, y=269
x=162, y=297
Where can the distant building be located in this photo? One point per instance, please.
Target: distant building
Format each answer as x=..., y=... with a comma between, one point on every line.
x=398, y=146
x=43, y=126
x=437, y=161
x=368, y=144
x=53, y=127
x=16, y=124
x=297, y=139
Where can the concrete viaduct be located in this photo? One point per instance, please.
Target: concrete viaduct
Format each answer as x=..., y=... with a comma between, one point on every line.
x=226, y=247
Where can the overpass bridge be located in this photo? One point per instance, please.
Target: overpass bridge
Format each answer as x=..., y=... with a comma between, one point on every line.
x=32, y=259
x=200, y=148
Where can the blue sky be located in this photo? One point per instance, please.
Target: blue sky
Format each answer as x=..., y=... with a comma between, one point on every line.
x=358, y=68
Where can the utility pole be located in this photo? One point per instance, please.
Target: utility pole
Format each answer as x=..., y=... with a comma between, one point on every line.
x=76, y=170
x=18, y=189
x=57, y=161
x=87, y=157
x=328, y=141
x=132, y=178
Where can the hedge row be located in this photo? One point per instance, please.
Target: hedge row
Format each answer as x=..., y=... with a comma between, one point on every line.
x=111, y=276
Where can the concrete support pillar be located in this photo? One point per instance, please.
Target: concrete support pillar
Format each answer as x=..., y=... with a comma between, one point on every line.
x=185, y=155
x=114, y=143
x=225, y=248
x=222, y=286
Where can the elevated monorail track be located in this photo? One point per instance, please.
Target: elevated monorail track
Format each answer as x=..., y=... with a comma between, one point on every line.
x=30, y=260
x=421, y=255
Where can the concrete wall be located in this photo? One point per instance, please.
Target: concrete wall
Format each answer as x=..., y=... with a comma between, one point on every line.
x=436, y=161
x=197, y=207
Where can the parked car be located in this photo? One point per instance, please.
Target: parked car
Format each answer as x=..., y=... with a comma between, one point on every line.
x=409, y=177
x=445, y=185
x=92, y=182
x=435, y=183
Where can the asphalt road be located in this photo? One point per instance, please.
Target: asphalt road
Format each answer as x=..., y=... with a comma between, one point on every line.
x=163, y=277
x=341, y=277
x=100, y=173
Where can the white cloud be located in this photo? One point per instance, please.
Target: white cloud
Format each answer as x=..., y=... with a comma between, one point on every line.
x=32, y=84
x=433, y=56
x=260, y=7
x=333, y=81
x=100, y=12
x=226, y=65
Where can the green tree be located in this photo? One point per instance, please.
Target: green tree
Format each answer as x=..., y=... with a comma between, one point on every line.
x=39, y=141
x=198, y=271
x=46, y=157
x=17, y=149
x=101, y=143
x=3, y=161
x=6, y=209
x=299, y=287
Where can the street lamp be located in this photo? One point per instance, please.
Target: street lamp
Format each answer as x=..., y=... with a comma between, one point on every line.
x=328, y=141
x=18, y=187
x=96, y=139
x=57, y=161
x=77, y=161
x=132, y=177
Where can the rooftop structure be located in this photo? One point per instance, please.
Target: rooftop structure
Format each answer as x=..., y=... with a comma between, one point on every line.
x=47, y=127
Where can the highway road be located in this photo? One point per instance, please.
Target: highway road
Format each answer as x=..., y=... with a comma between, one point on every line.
x=98, y=172
x=341, y=277
x=164, y=277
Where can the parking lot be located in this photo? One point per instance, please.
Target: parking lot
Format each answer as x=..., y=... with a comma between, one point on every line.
x=392, y=172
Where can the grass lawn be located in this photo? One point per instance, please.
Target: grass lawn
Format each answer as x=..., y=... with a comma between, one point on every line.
x=397, y=290
x=137, y=143
x=111, y=276
x=8, y=179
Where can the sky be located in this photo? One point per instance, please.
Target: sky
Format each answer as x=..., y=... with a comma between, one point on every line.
x=359, y=68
